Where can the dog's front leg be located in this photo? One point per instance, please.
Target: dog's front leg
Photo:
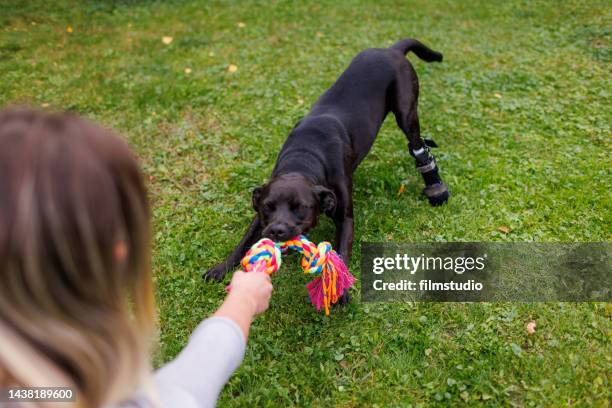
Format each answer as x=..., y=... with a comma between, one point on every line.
x=343, y=219
x=344, y=237
x=344, y=243
x=252, y=235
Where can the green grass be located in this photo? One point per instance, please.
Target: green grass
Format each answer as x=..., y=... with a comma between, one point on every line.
x=520, y=107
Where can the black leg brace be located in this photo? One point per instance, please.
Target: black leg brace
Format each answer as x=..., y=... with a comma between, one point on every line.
x=435, y=190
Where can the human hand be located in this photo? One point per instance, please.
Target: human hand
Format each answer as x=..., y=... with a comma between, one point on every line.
x=253, y=287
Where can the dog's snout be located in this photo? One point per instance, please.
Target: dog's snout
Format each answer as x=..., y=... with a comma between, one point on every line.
x=278, y=232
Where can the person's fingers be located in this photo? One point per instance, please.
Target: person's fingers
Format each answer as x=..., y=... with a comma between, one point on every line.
x=265, y=304
x=263, y=275
x=237, y=275
x=265, y=279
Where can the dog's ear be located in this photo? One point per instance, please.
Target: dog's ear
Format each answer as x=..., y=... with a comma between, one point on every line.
x=327, y=199
x=257, y=197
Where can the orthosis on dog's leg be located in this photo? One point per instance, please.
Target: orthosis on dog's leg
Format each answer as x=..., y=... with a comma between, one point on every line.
x=435, y=190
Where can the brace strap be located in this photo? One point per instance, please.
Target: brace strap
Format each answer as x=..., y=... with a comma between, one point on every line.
x=425, y=162
x=427, y=167
x=421, y=155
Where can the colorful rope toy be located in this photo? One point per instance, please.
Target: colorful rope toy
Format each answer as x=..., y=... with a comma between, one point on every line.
x=332, y=276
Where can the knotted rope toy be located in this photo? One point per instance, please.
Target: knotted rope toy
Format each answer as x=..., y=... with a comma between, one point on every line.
x=332, y=276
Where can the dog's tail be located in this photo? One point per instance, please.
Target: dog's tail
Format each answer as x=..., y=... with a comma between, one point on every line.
x=422, y=51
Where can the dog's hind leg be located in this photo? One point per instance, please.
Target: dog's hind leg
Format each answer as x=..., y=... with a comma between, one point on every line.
x=406, y=115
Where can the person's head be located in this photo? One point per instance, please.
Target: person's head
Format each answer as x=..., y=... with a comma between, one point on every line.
x=290, y=205
x=75, y=280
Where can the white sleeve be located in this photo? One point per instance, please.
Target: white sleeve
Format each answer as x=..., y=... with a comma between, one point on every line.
x=197, y=375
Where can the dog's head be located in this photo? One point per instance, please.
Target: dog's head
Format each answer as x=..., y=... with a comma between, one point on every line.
x=290, y=205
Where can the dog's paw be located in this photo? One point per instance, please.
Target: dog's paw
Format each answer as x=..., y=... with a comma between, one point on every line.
x=345, y=299
x=215, y=274
x=437, y=194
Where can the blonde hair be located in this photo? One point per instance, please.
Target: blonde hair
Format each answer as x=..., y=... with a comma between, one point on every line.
x=75, y=279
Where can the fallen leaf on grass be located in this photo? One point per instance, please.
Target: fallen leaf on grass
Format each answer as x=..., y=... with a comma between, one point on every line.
x=504, y=229
x=428, y=352
x=319, y=34
x=69, y=29
x=232, y=68
x=497, y=95
x=188, y=71
x=531, y=326
x=401, y=189
x=241, y=24
x=167, y=39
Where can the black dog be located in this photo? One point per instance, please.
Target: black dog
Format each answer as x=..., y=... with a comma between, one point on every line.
x=314, y=169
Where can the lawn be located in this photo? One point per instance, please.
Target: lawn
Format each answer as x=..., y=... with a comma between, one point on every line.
x=520, y=108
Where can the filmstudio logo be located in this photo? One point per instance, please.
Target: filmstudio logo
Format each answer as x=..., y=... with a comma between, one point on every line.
x=413, y=264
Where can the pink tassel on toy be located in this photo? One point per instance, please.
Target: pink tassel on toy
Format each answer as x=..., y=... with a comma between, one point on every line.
x=343, y=281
